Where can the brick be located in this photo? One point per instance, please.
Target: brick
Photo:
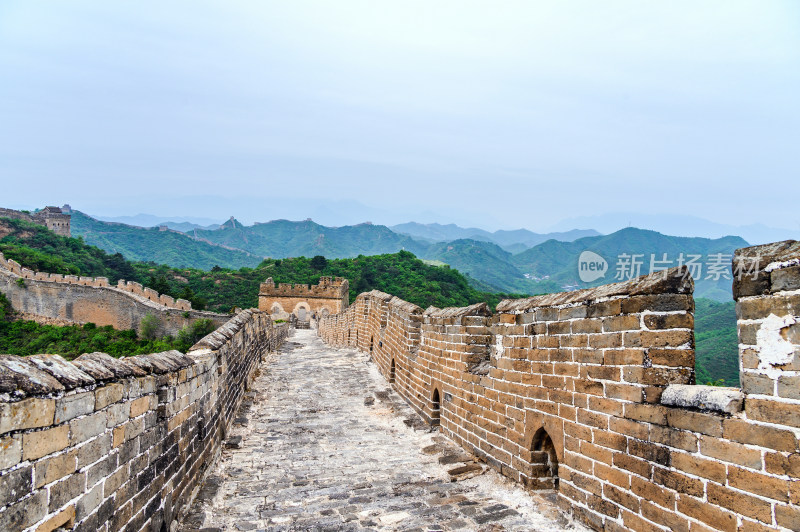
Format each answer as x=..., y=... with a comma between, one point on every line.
x=29, y=413
x=622, y=357
x=55, y=468
x=653, y=493
x=677, y=358
x=702, y=511
x=65, y=490
x=756, y=383
x=140, y=406
x=650, y=452
x=621, y=497
x=709, y=424
x=668, y=338
x=764, y=485
x=633, y=464
x=87, y=427
x=649, y=413
x=15, y=485
x=678, y=482
x=669, y=321
x=730, y=452
x=10, y=451
x=72, y=406
x=761, y=435
x=787, y=516
x=771, y=411
x=701, y=467
x=739, y=502
x=108, y=394
x=674, y=438
x=621, y=323
x=789, y=386
x=24, y=513
x=43, y=442
x=664, y=517
x=64, y=519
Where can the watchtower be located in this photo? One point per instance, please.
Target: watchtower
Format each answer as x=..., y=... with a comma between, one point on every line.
x=330, y=296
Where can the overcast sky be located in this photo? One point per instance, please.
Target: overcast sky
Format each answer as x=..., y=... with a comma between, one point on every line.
x=497, y=114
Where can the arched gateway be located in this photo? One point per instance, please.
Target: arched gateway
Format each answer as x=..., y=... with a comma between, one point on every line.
x=302, y=301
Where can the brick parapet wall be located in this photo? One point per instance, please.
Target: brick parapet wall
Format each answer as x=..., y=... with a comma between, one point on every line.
x=70, y=298
x=597, y=388
x=102, y=444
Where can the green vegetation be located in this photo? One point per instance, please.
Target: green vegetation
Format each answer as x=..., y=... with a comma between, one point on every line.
x=39, y=249
x=400, y=274
x=221, y=289
x=717, y=346
x=498, y=262
x=163, y=247
x=24, y=338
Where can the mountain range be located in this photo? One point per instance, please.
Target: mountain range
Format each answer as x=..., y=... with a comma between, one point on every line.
x=521, y=261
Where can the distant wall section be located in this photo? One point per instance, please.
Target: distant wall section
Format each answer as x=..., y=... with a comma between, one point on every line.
x=54, y=218
x=65, y=299
x=330, y=296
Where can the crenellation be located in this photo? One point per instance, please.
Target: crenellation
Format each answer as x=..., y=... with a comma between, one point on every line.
x=301, y=302
x=67, y=299
x=592, y=393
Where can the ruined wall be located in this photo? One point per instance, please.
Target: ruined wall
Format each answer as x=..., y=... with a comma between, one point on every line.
x=102, y=444
x=592, y=392
x=70, y=299
x=330, y=296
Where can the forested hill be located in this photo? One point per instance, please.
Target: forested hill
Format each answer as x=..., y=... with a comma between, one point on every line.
x=547, y=267
x=164, y=247
x=400, y=274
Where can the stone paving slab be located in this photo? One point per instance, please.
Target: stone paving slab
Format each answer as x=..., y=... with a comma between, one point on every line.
x=323, y=443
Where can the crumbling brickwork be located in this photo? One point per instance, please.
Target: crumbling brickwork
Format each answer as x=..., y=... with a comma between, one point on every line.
x=592, y=393
x=102, y=444
x=71, y=299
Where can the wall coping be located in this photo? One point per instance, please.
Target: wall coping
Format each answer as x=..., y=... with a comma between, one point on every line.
x=672, y=281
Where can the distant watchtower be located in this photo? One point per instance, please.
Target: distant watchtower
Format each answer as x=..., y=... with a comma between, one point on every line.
x=330, y=296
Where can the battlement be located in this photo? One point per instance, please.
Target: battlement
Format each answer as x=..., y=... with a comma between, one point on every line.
x=328, y=288
x=592, y=393
x=78, y=299
x=330, y=295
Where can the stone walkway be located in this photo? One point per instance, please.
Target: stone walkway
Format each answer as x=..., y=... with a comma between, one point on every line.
x=327, y=445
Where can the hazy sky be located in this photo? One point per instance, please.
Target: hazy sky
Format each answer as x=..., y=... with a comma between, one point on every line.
x=498, y=114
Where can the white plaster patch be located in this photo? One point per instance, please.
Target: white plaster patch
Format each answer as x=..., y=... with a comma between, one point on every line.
x=773, y=349
x=780, y=265
x=498, y=345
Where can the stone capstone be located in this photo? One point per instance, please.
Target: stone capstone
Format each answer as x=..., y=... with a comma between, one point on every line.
x=707, y=398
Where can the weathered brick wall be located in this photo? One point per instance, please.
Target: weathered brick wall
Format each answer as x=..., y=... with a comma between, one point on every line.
x=102, y=444
x=71, y=299
x=592, y=392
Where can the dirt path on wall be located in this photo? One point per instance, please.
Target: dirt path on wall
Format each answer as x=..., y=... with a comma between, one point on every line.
x=327, y=445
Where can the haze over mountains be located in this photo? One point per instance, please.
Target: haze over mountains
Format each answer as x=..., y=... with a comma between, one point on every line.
x=520, y=261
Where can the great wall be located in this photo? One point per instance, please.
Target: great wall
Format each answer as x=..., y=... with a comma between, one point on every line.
x=588, y=395
x=592, y=393
x=67, y=299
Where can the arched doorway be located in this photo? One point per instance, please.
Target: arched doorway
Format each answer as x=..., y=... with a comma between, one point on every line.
x=544, y=462
x=435, y=408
